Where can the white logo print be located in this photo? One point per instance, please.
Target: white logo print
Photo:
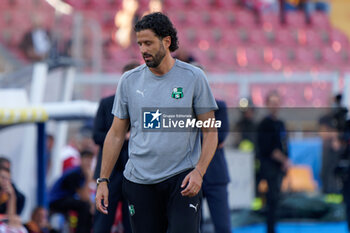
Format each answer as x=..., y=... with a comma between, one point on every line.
x=194, y=207
x=141, y=92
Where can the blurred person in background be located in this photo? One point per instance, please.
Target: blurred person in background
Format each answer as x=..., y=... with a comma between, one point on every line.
x=217, y=177
x=72, y=192
x=103, y=122
x=50, y=142
x=20, y=198
x=331, y=152
x=185, y=56
x=342, y=169
x=36, y=43
x=331, y=130
x=39, y=222
x=272, y=153
x=162, y=178
x=245, y=128
x=79, y=141
x=8, y=199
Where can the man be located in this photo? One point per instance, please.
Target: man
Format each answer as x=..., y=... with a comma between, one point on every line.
x=217, y=178
x=163, y=175
x=272, y=153
x=102, y=123
x=39, y=222
x=20, y=198
x=71, y=192
x=8, y=197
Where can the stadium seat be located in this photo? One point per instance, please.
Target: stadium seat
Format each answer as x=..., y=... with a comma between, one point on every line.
x=285, y=37
x=313, y=38
x=340, y=37
x=232, y=38
x=270, y=20
x=227, y=4
x=331, y=58
x=320, y=20
x=258, y=37
x=202, y=5
x=245, y=18
x=295, y=19
x=220, y=18
x=175, y=4
x=307, y=57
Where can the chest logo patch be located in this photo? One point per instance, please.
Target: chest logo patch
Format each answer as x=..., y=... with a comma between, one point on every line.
x=177, y=93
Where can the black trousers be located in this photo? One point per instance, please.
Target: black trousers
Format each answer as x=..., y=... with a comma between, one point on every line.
x=346, y=195
x=273, y=177
x=160, y=208
x=81, y=207
x=217, y=198
x=103, y=223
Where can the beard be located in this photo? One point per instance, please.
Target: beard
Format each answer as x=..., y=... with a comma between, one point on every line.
x=156, y=59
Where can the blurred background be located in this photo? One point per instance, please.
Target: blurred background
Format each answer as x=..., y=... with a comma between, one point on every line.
x=60, y=57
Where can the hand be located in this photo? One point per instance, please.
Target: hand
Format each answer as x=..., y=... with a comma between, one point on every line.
x=8, y=188
x=286, y=165
x=193, y=180
x=221, y=145
x=102, y=194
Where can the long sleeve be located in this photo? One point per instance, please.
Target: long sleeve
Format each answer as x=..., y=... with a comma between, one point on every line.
x=100, y=132
x=103, y=120
x=221, y=114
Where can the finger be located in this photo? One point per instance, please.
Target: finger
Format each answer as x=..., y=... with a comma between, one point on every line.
x=100, y=207
x=188, y=190
x=105, y=201
x=185, y=181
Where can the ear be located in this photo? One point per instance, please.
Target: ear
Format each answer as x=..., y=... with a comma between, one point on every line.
x=167, y=41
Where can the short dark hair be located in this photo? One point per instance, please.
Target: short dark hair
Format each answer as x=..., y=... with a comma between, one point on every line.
x=271, y=94
x=161, y=25
x=130, y=66
x=3, y=159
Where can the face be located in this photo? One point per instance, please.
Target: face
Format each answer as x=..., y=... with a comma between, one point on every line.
x=86, y=162
x=273, y=104
x=6, y=164
x=151, y=47
x=41, y=217
x=5, y=178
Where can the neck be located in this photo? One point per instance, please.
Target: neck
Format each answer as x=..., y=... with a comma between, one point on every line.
x=165, y=66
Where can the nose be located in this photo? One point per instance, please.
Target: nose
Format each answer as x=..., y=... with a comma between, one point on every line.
x=143, y=49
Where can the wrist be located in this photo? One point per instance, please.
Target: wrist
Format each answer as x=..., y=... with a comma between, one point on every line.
x=199, y=172
x=102, y=180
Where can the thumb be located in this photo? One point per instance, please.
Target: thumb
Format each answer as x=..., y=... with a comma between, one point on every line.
x=185, y=181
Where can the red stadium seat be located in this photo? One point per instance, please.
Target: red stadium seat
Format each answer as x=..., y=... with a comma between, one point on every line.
x=245, y=18
x=175, y=4
x=295, y=19
x=220, y=18
x=313, y=38
x=307, y=57
x=332, y=58
x=320, y=20
x=232, y=38
x=201, y=5
x=258, y=37
x=227, y=4
x=338, y=36
x=270, y=21
x=285, y=37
